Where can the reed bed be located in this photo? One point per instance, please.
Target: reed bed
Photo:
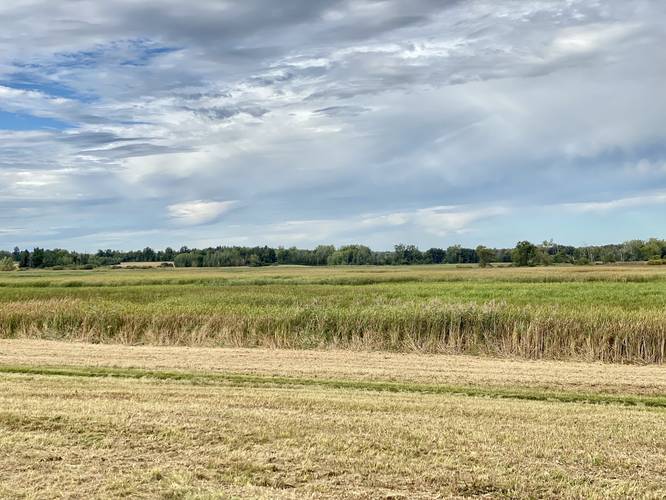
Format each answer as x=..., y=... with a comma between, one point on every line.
x=609, y=314
x=535, y=332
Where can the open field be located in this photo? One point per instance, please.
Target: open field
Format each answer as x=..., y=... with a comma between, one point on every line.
x=609, y=313
x=102, y=421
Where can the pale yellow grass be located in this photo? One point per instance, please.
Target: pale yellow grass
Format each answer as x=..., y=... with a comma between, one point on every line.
x=343, y=364
x=87, y=438
x=104, y=434
x=393, y=273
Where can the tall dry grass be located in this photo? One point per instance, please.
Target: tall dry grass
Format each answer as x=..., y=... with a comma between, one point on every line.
x=607, y=334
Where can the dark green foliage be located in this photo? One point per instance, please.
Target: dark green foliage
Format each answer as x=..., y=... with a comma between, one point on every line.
x=434, y=256
x=485, y=255
x=407, y=254
x=524, y=254
x=351, y=255
x=528, y=254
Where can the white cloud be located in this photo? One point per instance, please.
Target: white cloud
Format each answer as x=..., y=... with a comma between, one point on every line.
x=588, y=38
x=443, y=221
x=198, y=211
x=37, y=103
x=621, y=203
x=440, y=221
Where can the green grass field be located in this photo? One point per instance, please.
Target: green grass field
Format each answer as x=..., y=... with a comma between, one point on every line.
x=608, y=313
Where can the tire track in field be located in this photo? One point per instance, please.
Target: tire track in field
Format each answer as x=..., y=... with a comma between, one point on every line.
x=234, y=379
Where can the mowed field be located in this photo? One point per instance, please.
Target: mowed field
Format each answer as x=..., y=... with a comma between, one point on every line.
x=105, y=421
x=606, y=313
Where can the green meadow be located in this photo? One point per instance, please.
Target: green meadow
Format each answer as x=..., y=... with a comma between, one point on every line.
x=606, y=313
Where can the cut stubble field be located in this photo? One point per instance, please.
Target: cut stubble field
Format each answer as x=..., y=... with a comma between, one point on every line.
x=103, y=421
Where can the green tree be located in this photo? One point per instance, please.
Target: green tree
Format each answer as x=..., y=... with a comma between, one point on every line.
x=434, y=256
x=322, y=253
x=525, y=254
x=407, y=254
x=454, y=254
x=351, y=255
x=485, y=255
x=37, y=257
x=24, y=259
x=652, y=249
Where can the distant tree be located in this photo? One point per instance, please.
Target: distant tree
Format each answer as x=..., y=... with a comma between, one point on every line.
x=563, y=256
x=545, y=253
x=608, y=256
x=269, y=257
x=351, y=255
x=16, y=254
x=24, y=259
x=525, y=254
x=148, y=254
x=434, y=256
x=633, y=250
x=322, y=253
x=454, y=254
x=183, y=260
x=651, y=249
x=407, y=254
x=168, y=254
x=254, y=261
x=485, y=256
x=37, y=257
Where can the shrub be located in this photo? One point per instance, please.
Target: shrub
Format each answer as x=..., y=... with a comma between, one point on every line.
x=7, y=264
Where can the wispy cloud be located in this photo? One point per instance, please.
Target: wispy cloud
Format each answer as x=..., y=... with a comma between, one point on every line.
x=621, y=203
x=198, y=211
x=440, y=221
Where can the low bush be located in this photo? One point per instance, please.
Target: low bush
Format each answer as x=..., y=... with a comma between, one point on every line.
x=7, y=264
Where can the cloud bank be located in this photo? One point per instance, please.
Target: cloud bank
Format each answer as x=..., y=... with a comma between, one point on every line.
x=378, y=121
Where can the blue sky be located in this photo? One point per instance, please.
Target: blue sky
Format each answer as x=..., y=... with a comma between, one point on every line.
x=125, y=124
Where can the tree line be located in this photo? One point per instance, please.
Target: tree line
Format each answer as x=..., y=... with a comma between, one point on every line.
x=524, y=253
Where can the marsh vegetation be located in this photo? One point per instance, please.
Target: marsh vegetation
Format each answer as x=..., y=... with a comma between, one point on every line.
x=606, y=313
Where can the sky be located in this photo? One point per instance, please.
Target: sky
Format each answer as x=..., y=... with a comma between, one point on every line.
x=125, y=124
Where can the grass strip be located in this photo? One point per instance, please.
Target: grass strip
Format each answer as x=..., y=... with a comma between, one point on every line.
x=280, y=381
